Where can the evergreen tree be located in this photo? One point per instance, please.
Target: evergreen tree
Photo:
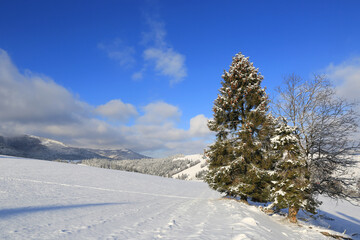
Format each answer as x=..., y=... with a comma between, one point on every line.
x=291, y=181
x=239, y=159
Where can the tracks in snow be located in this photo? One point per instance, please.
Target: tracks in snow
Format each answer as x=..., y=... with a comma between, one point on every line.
x=102, y=189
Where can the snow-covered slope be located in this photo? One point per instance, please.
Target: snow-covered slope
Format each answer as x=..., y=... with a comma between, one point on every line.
x=192, y=172
x=49, y=200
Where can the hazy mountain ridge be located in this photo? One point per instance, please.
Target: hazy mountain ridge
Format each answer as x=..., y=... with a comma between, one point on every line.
x=47, y=149
x=119, y=154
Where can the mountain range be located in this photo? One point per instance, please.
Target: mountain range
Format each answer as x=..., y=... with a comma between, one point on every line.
x=47, y=149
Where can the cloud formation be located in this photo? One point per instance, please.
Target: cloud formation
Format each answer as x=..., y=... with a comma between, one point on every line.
x=118, y=51
x=117, y=110
x=346, y=77
x=167, y=61
x=28, y=97
x=157, y=54
x=156, y=34
x=158, y=113
x=198, y=126
x=35, y=104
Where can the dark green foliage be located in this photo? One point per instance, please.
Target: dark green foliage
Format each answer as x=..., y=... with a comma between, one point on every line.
x=256, y=156
x=291, y=180
x=239, y=159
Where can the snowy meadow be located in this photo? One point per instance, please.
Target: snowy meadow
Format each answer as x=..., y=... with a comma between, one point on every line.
x=50, y=200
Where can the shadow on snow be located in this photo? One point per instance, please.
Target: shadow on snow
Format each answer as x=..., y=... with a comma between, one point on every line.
x=342, y=224
x=10, y=212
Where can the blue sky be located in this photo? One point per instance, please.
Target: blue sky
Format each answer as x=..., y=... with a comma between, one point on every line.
x=144, y=74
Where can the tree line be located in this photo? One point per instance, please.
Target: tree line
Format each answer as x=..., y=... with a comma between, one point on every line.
x=165, y=167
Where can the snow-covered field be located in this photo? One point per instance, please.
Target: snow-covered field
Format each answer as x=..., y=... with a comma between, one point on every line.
x=49, y=200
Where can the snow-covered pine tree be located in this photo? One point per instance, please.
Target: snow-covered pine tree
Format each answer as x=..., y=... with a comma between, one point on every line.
x=291, y=181
x=239, y=162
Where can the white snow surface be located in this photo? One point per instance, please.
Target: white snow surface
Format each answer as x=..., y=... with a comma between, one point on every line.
x=192, y=171
x=50, y=200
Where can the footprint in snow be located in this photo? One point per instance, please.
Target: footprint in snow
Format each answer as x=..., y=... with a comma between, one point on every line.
x=172, y=223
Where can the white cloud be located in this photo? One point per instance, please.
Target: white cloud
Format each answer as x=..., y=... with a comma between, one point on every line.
x=34, y=98
x=117, y=110
x=156, y=35
x=158, y=113
x=198, y=126
x=35, y=104
x=158, y=53
x=119, y=52
x=137, y=76
x=346, y=77
x=167, y=62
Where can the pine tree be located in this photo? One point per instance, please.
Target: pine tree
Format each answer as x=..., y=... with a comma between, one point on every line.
x=291, y=181
x=239, y=159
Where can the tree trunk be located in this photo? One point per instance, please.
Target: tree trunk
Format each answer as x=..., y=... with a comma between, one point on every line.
x=292, y=214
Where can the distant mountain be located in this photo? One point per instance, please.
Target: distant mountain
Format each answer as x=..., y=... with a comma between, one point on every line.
x=48, y=149
x=119, y=154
